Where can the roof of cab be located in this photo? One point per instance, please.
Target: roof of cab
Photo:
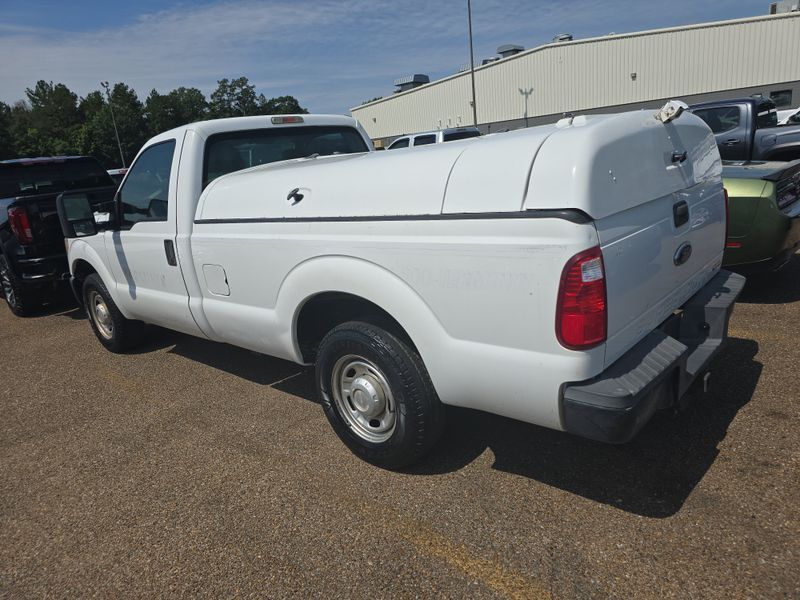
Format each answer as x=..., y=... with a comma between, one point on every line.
x=207, y=128
x=40, y=160
x=748, y=100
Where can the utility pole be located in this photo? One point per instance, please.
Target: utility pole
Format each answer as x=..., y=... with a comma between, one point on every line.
x=527, y=93
x=104, y=84
x=472, y=64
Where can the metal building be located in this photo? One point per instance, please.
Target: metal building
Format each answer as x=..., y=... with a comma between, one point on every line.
x=605, y=74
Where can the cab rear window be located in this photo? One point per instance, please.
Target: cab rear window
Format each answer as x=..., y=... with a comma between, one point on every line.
x=234, y=151
x=767, y=115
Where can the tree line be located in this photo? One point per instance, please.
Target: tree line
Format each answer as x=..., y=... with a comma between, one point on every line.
x=54, y=121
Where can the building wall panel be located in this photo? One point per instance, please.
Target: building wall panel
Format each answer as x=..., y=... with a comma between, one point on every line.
x=592, y=74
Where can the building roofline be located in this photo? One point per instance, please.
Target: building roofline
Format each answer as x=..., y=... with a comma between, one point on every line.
x=601, y=38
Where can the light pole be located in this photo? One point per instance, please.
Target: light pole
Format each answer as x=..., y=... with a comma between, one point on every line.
x=472, y=63
x=104, y=84
x=527, y=94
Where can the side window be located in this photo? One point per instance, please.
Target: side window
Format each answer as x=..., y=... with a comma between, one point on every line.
x=401, y=143
x=722, y=119
x=145, y=194
x=781, y=97
x=767, y=115
x=422, y=140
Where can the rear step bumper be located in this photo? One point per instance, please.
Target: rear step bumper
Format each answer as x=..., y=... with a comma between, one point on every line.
x=655, y=373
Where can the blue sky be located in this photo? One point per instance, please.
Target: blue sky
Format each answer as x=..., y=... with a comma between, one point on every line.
x=330, y=54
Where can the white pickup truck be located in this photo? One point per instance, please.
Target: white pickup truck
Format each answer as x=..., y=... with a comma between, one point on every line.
x=566, y=275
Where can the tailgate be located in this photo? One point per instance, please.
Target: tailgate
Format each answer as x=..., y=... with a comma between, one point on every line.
x=45, y=226
x=654, y=191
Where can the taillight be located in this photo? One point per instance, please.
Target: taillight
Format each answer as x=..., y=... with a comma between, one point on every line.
x=581, y=312
x=20, y=225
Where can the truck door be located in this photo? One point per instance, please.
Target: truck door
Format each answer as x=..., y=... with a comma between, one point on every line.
x=731, y=129
x=141, y=249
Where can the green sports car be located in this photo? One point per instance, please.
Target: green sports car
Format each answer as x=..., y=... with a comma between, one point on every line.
x=764, y=205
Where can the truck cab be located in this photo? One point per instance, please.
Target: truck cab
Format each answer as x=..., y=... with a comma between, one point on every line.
x=747, y=129
x=149, y=221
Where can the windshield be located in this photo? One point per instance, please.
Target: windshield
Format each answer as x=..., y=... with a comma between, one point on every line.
x=26, y=179
x=233, y=151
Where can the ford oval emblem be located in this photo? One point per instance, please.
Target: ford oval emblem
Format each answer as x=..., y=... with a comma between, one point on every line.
x=682, y=254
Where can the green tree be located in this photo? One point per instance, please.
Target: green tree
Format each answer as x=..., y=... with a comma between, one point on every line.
x=179, y=107
x=235, y=98
x=190, y=103
x=97, y=137
x=93, y=103
x=282, y=105
x=6, y=143
x=48, y=123
x=25, y=138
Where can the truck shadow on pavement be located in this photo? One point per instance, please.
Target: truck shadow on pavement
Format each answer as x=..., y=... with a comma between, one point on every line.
x=651, y=476
x=252, y=366
x=780, y=287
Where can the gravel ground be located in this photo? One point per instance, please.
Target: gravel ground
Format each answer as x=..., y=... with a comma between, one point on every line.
x=197, y=469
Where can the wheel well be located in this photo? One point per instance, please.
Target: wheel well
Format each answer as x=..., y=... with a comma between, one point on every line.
x=80, y=272
x=325, y=311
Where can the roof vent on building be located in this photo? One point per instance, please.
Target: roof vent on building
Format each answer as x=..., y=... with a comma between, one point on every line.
x=784, y=6
x=563, y=37
x=507, y=50
x=491, y=59
x=409, y=82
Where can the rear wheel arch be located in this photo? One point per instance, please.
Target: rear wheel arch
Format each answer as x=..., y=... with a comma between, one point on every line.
x=389, y=301
x=323, y=312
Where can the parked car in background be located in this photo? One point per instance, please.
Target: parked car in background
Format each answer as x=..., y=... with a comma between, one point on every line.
x=117, y=175
x=435, y=137
x=536, y=275
x=789, y=117
x=747, y=129
x=764, y=205
x=33, y=260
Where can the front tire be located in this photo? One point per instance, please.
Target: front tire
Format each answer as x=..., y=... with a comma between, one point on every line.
x=114, y=331
x=20, y=300
x=377, y=395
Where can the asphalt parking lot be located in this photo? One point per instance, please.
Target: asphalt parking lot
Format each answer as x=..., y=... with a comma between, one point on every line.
x=194, y=468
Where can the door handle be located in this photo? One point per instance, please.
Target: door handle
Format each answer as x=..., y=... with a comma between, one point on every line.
x=732, y=142
x=169, y=250
x=680, y=213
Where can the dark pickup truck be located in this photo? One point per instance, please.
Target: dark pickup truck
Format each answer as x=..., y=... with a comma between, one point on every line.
x=747, y=129
x=33, y=260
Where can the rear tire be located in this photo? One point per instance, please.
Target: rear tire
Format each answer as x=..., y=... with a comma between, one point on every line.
x=377, y=395
x=20, y=300
x=114, y=331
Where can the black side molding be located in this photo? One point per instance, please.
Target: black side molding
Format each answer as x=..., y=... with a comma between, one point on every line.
x=572, y=215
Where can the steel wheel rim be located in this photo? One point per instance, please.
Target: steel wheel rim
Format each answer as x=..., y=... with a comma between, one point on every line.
x=8, y=289
x=363, y=398
x=101, y=317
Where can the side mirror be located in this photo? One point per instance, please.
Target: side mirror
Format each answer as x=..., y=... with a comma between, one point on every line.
x=84, y=213
x=76, y=215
